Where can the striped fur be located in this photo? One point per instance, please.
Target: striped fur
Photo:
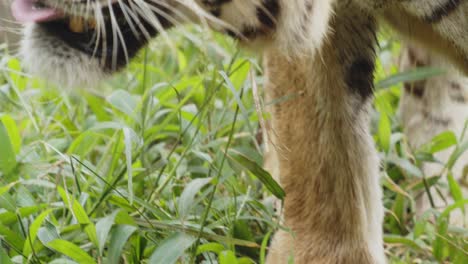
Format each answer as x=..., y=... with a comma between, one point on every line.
x=323, y=52
x=428, y=108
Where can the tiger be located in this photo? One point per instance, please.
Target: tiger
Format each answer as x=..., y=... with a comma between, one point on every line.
x=321, y=51
x=428, y=108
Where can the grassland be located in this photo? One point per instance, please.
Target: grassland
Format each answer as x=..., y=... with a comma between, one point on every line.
x=162, y=163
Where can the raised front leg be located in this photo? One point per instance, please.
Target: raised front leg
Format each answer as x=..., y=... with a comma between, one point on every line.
x=327, y=162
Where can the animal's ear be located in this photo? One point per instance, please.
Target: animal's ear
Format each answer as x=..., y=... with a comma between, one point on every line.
x=426, y=35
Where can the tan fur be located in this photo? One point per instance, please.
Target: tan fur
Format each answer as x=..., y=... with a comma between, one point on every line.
x=339, y=219
x=323, y=146
x=425, y=35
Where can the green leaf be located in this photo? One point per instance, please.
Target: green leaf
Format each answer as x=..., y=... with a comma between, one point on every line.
x=426, y=182
x=245, y=260
x=71, y=250
x=239, y=76
x=13, y=238
x=182, y=60
x=7, y=153
x=6, y=188
x=187, y=199
x=210, y=247
x=80, y=215
x=455, y=188
x=103, y=226
x=4, y=259
x=458, y=204
x=441, y=142
x=228, y=240
x=409, y=76
x=15, y=72
x=119, y=236
x=440, y=243
x=459, y=150
x=264, y=247
x=237, y=96
x=8, y=203
x=172, y=248
x=62, y=261
x=33, y=229
x=385, y=131
x=13, y=132
x=398, y=207
x=123, y=218
x=259, y=172
x=129, y=160
x=227, y=257
x=124, y=102
x=48, y=233
x=96, y=103
x=405, y=165
x=394, y=187
x=84, y=143
x=396, y=239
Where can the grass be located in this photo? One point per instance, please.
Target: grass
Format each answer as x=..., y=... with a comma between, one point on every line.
x=162, y=164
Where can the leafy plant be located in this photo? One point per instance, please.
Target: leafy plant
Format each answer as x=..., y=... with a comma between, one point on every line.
x=162, y=164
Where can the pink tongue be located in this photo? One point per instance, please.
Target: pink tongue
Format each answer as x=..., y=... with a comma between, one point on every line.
x=24, y=11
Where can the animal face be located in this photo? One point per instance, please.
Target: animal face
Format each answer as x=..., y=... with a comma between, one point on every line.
x=75, y=42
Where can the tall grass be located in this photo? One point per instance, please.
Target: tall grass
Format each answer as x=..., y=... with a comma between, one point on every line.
x=162, y=164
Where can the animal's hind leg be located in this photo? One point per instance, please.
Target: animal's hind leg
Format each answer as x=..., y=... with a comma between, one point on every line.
x=428, y=108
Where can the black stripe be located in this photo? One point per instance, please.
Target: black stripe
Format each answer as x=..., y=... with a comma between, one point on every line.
x=360, y=76
x=417, y=89
x=443, y=11
x=268, y=13
x=215, y=2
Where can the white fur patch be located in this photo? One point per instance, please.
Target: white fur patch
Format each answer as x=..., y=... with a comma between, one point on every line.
x=52, y=59
x=293, y=36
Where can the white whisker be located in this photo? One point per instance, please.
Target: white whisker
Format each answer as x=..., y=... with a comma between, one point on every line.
x=117, y=35
x=144, y=9
x=128, y=18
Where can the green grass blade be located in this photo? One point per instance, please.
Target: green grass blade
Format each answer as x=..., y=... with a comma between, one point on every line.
x=103, y=227
x=13, y=132
x=227, y=257
x=33, y=229
x=119, y=236
x=80, y=214
x=129, y=160
x=172, y=248
x=4, y=259
x=187, y=198
x=7, y=153
x=396, y=239
x=71, y=250
x=12, y=238
x=258, y=172
x=410, y=76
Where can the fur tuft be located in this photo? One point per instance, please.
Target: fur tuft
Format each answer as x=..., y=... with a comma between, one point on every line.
x=50, y=58
x=297, y=39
